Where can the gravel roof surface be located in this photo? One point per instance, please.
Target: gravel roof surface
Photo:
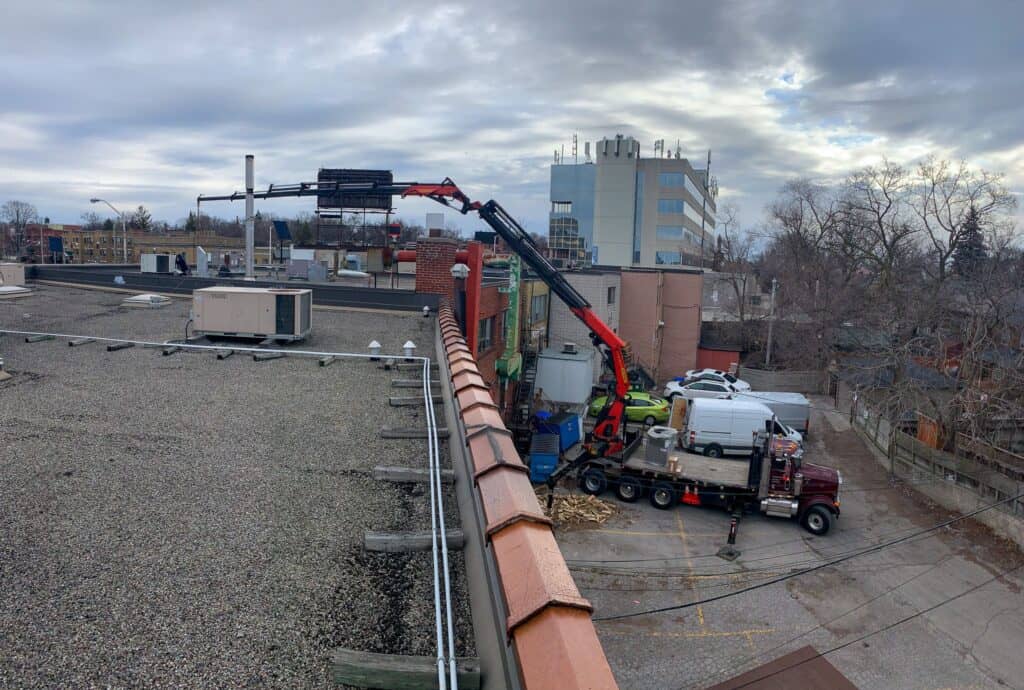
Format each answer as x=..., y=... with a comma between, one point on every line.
x=186, y=521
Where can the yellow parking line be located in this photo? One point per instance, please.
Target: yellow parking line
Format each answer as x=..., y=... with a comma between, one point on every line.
x=695, y=635
x=689, y=561
x=641, y=533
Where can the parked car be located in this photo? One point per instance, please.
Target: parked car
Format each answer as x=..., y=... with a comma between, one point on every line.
x=700, y=388
x=640, y=407
x=791, y=409
x=727, y=427
x=717, y=375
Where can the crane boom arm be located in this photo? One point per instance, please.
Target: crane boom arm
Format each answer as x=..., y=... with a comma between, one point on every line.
x=607, y=431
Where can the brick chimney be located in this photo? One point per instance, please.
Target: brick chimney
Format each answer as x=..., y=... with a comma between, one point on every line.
x=435, y=257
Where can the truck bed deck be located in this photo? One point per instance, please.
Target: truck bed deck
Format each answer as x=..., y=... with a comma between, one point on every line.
x=714, y=471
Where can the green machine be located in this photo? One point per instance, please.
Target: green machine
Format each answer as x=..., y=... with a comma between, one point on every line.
x=509, y=366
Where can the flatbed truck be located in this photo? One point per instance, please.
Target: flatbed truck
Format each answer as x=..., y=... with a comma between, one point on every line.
x=769, y=481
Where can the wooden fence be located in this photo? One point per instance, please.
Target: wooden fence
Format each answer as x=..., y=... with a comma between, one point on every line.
x=784, y=381
x=961, y=482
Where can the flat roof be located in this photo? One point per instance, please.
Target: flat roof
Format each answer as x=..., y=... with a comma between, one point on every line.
x=180, y=520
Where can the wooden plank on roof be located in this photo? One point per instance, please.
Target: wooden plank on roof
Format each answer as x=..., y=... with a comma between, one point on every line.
x=396, y=671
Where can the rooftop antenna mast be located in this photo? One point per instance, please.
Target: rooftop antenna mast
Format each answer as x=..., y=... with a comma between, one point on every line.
x=704, y=206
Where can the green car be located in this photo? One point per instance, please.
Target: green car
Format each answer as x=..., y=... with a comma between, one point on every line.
x=640, y=407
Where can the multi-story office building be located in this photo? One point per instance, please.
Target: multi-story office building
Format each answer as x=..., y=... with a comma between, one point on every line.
x=619, y=209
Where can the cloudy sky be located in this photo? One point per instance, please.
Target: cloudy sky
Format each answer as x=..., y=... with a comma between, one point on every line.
x=155, y=103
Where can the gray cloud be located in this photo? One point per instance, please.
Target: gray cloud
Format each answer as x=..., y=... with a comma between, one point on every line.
x=155, y=103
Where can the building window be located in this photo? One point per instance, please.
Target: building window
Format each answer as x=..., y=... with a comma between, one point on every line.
x=670, y=179
x=538, y=308
x=670, y=232
x=561, y=207
x=670, y=206
x=668, y=258
x=485, y=335
x=611, y=295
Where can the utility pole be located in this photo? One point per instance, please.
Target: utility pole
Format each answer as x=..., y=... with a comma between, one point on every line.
x=704, y=205
x=250, y=221
x=771, y=324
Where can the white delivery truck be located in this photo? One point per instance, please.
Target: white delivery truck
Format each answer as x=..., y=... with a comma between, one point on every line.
x=792, y=409
x=727, y=427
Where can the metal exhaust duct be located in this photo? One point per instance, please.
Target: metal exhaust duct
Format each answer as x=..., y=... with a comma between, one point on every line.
x=250, y=221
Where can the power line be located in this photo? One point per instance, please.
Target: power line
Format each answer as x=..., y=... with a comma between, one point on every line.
x=754, y=657
x=596, y=563
x=812, y=569
x=885, y=628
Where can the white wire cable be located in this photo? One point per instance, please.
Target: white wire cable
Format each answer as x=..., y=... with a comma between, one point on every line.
x=436, y=487
x=431, y=442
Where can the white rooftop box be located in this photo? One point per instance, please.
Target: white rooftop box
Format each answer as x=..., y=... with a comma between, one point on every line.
x=157, y=263
x=278, y=313
x=12, y=274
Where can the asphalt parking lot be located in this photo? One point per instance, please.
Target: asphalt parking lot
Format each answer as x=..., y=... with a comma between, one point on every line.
x=644, y=558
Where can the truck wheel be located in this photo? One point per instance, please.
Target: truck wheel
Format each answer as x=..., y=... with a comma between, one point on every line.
x=649, y=420
x=713, y=451
x=628, y=490
x=817, y=520
x=593, y=481
x=663, y=495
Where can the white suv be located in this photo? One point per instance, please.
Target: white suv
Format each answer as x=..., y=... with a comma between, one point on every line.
x=719, y=376
x=701, y=388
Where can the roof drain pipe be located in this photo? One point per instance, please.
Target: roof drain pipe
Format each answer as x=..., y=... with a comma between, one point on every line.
x=436, y=487
x=431, y=431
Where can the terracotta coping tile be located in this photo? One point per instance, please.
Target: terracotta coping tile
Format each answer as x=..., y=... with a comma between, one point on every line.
x=507, y=497
x=467, y=378
x=458, y=347
x=533, y=572
x=462, y=365
x=482, y=416
x=559, y=648
x=461, y=355
x=472, y=396
x=492, y=448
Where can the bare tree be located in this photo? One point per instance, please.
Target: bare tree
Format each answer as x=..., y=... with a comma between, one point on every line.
x=945, y=195
x=18, y=214
x=877, y=219
x=735, y=254
x=92, y=220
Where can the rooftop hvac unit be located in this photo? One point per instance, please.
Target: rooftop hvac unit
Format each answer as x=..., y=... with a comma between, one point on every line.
x=157, y=263
x=12, y=274
x=277, y=313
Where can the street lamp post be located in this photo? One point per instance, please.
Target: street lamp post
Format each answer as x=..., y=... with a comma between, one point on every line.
x=124, y=225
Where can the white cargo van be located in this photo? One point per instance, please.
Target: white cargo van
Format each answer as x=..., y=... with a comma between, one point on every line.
x=727, y=427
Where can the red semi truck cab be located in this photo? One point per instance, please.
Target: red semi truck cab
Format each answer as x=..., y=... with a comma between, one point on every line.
x=803, y=490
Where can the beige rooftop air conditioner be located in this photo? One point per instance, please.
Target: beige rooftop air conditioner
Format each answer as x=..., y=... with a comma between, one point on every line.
x=280, y=314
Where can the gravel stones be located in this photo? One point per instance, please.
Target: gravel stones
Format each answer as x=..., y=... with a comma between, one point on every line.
x=192, y=522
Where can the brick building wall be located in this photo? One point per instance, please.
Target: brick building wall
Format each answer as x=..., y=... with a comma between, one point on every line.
x=661, y=318
x=493, y=305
